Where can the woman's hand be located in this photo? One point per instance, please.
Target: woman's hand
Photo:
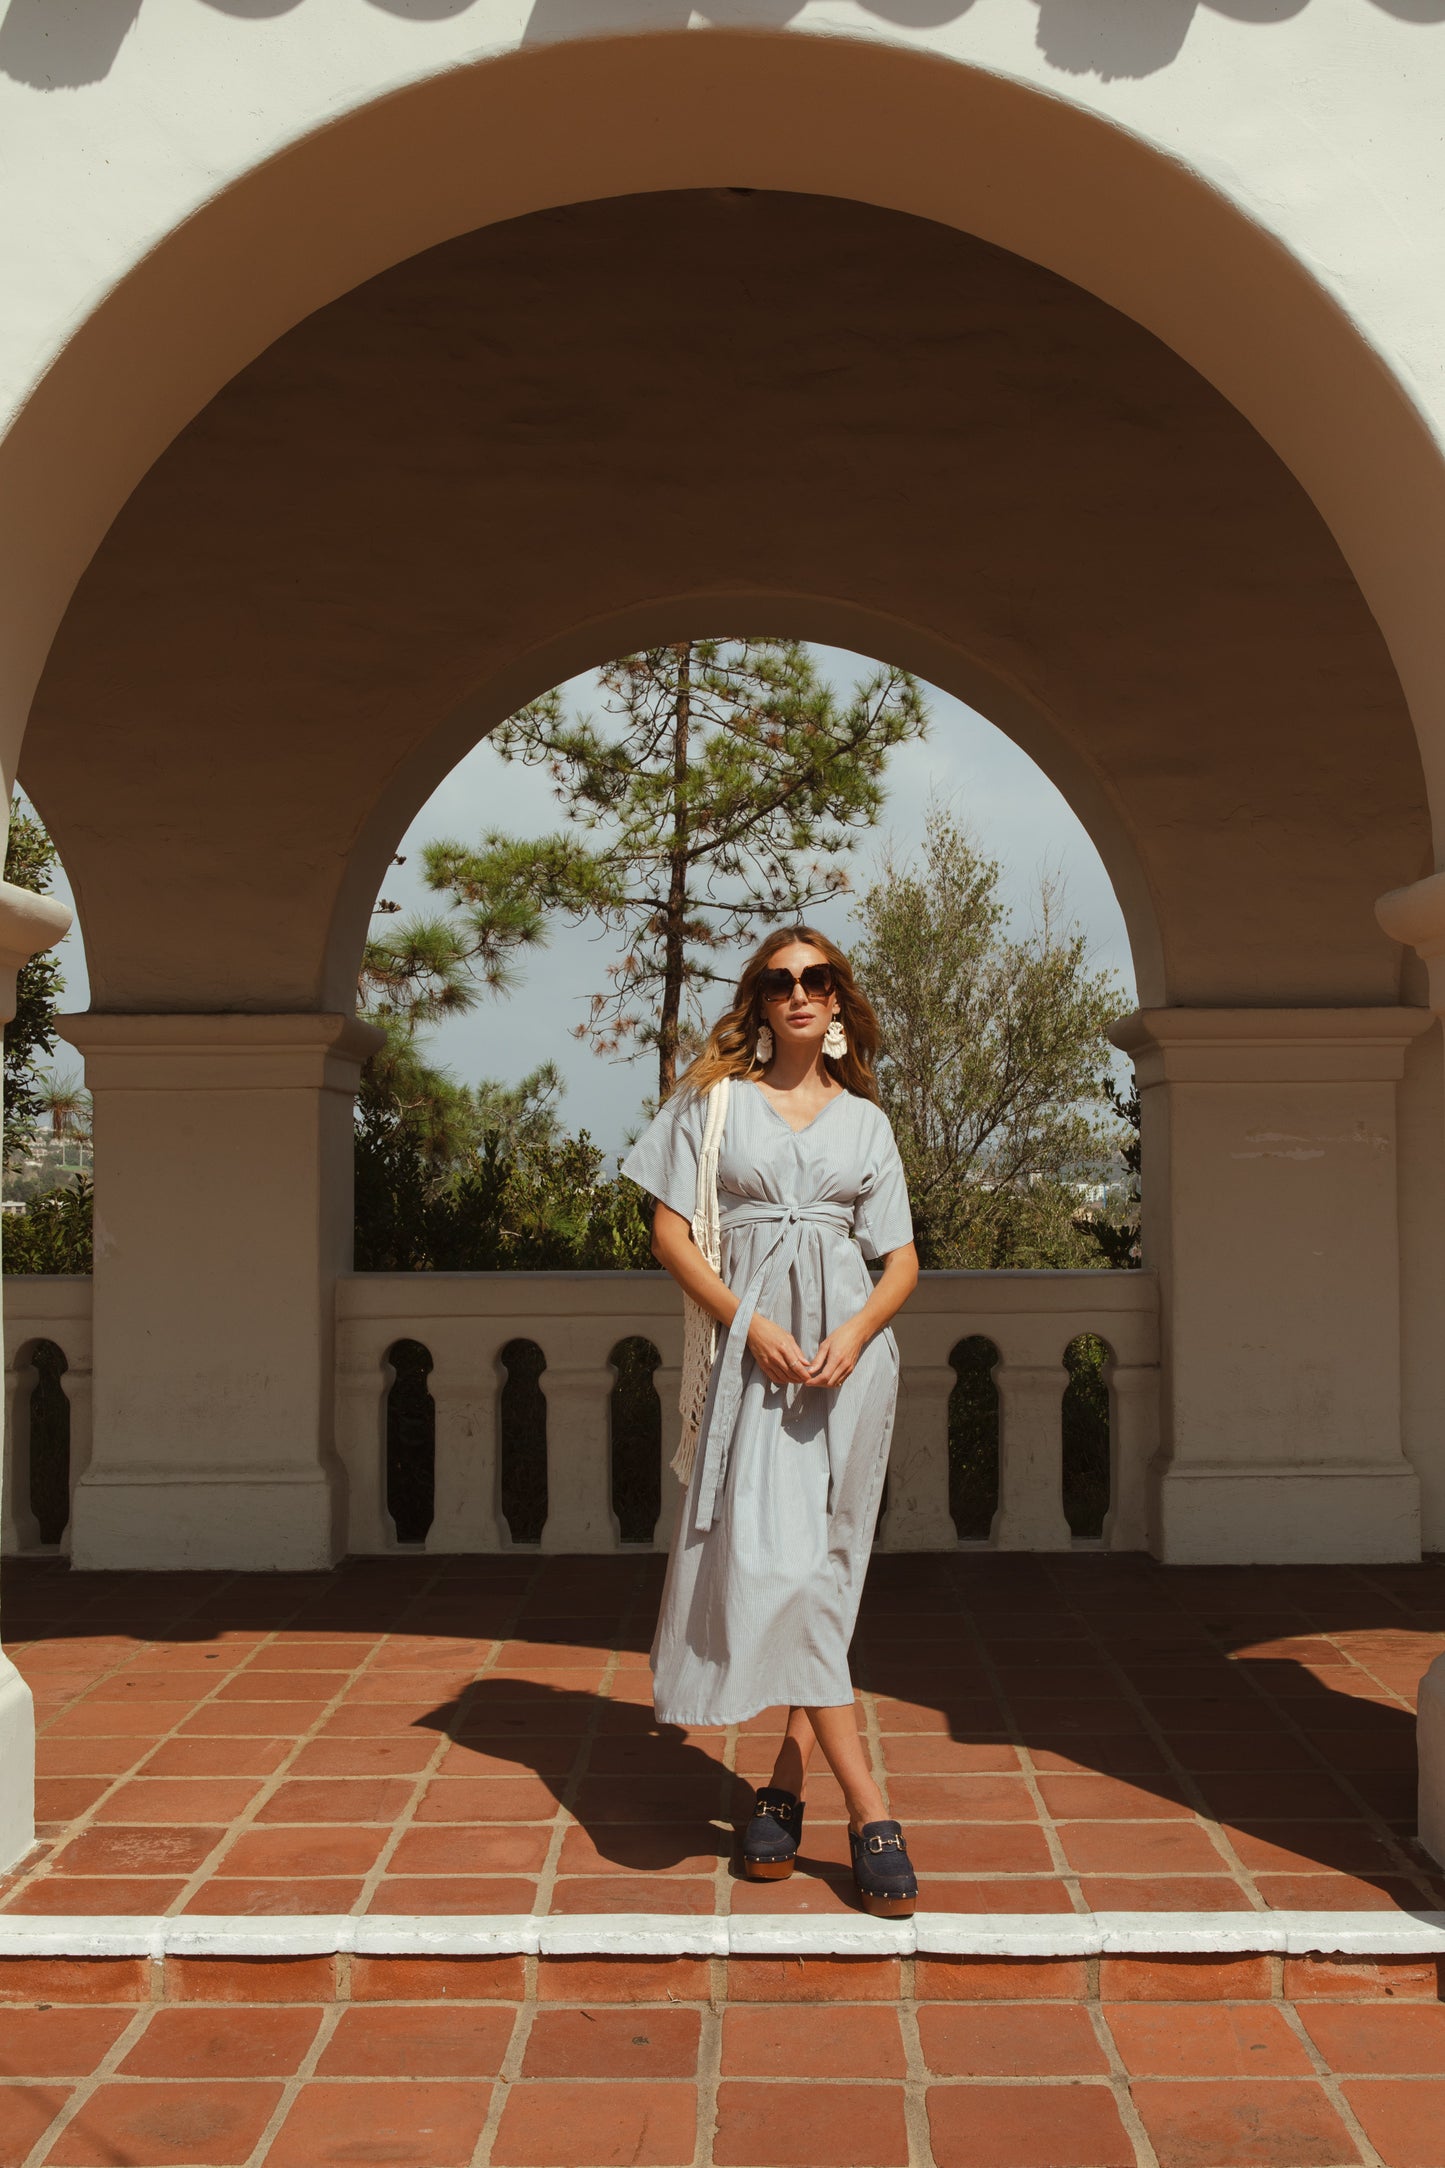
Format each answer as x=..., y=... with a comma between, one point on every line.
x=837, y=1358
x=777, y=1353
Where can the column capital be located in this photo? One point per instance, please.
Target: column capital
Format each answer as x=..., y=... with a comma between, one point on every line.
x=29, y=924
x=1269, y=1046
x=1415, y=917
x=226, y=1052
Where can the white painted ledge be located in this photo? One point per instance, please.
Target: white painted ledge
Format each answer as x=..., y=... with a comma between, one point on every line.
x=660, y=1934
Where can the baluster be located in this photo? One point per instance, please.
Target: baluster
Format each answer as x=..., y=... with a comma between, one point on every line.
x=361, y=1446
x=668, y=1380
x=76, y=1386
x=579, y=1458
x=19, y=1530
x=918, y=1518
x=1030, y=1513
x=468, y=1514
x=1133, y=1443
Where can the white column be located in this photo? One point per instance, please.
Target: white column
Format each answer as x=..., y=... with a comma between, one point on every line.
x=918, y=1518
x=1030, y=1514
x=579, y=1458
x=1270, y=1212
x=467, y=1399
x=223, y=1149
x=1133, y=1444
x=28, y=924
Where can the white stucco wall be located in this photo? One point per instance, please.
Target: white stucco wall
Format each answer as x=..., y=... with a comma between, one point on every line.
x=1317, y=122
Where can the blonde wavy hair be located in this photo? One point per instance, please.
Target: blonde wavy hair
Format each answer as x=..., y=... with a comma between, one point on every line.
x=732, y=1044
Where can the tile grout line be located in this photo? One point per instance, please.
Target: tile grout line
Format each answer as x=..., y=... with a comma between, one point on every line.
x=563, y=1818
x=1333, y=2089
x=371, y=1881
x=245, y=1821
x=65, y=2115
x=707, y=2070
x=508, y=2073
x=80, y=1825
x=1012, y=1726
x=1121, y=2087
x=291, y=2089
x=916, y=2074
x=1410, y=1868
x=1193, y=1793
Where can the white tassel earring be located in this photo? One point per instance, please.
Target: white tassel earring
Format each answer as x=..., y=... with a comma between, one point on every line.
x=765, y=1045
x=835, y=1040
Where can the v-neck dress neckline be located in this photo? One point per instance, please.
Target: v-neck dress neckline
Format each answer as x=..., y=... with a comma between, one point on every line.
x=827, y=1108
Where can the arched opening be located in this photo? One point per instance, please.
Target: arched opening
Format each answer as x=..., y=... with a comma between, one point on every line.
x=410, y=1442
x=973, y=1470
x=1086, y=1436
x=1061, y=513
x=1007, y=485
x=1126, y=217
x=636, y=1429
x=523, y=1422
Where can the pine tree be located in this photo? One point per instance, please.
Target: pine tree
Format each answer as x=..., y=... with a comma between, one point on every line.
x=720, y=795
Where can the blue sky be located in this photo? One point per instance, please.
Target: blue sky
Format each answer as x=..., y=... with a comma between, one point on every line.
x=1011, y=808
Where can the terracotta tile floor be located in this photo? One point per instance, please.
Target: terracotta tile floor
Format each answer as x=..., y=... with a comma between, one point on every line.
x=687, y=2063
x=417, y=1735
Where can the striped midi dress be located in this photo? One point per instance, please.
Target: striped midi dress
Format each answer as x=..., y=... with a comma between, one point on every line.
x=766, y=1572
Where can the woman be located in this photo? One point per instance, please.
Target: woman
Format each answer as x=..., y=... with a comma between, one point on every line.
x=767, y=1570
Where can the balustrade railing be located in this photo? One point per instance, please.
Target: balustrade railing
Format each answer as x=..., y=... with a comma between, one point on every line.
x=433, y=1426
x=47, y=1408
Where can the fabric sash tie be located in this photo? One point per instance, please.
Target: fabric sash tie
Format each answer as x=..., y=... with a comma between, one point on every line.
x=789, y=1220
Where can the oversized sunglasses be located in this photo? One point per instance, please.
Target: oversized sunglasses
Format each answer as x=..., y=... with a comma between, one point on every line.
x=777, y=984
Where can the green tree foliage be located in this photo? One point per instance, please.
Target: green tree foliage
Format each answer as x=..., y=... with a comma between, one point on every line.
x=479, y=1178
x=30, y=862
x=720, y=795
x=1115, y=1230
x=510, y=1206
x=53, y=1233
x=992, y=1052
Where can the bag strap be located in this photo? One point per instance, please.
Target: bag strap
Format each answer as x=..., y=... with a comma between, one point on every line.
x=706, y=1226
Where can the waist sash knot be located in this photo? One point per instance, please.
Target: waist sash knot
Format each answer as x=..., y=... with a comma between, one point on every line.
x=790, y=1220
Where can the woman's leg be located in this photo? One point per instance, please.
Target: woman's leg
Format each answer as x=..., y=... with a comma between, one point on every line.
x=790, y=1770
x=836, y=1731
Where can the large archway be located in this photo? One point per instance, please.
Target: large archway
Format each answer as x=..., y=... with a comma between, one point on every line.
x=1016, y=397
x=643, y=417
x=566, y=121
x=533, y=446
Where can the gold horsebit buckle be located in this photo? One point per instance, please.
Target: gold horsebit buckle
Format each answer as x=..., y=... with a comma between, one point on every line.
x=779, y=1812
x=881, y=1844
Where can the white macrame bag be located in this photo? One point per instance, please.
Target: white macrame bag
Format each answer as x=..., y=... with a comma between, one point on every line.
x=699, y=1330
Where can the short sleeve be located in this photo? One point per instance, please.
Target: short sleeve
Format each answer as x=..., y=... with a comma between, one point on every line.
x=664, y=1159
x=882, y=1220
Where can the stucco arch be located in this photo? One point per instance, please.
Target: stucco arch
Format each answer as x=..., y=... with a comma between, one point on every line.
x=821, y=618
x=852, y=117
x=530, y=447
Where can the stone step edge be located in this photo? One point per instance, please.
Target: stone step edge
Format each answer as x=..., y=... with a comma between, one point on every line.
x=655, y=1934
